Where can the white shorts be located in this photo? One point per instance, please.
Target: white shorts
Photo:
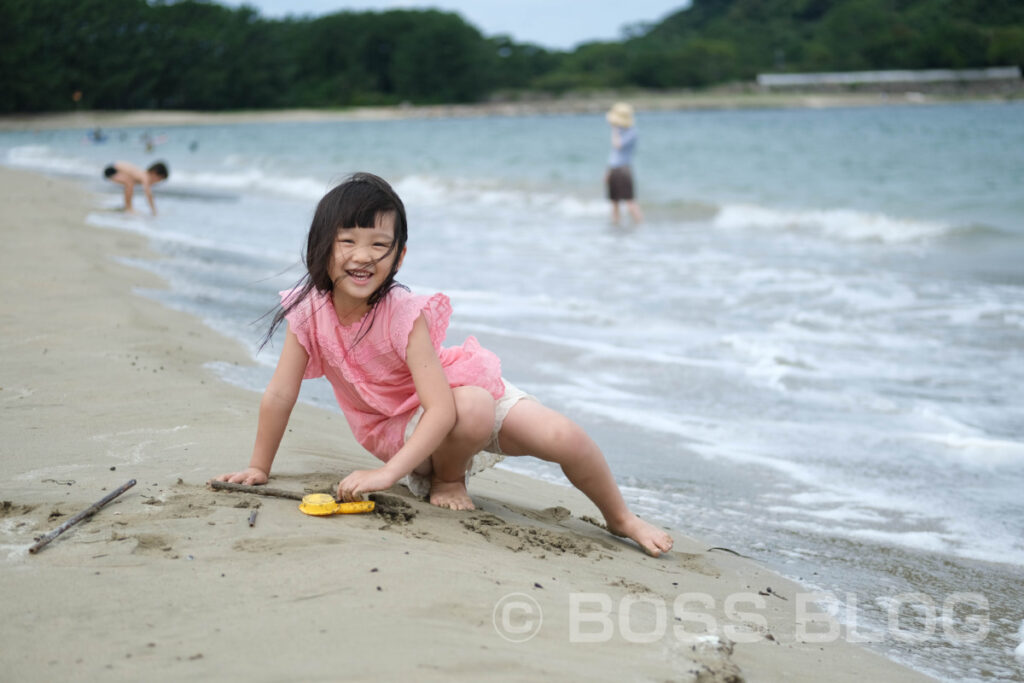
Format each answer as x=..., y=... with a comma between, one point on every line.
x=491, y=455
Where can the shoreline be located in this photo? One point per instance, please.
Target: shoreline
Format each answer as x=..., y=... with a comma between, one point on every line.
x=102, y=385
x=598, y=103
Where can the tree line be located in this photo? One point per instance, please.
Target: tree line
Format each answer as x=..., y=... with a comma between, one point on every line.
x=193, y=54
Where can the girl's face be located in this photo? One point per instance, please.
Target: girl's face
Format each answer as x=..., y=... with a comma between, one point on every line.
x=362, y=259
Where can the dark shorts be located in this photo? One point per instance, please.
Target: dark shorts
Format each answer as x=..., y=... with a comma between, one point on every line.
x=109, y=171
x=620, y=184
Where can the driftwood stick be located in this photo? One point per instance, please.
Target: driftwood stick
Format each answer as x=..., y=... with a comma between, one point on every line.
x=258, y=490
x=83, y=515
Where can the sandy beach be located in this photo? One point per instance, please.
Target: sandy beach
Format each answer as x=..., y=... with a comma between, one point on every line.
x=170, y=582
x=725, y=98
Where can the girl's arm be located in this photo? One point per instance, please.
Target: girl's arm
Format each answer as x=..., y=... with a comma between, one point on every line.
x=437, y=421
x=275, y=409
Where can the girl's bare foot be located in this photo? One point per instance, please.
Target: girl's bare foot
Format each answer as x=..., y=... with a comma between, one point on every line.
x=450, y=494
x=652, y=539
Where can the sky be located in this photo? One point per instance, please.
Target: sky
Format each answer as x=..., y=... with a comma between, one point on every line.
x=554, y=24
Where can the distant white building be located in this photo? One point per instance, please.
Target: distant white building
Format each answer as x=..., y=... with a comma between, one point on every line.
x=999, y=73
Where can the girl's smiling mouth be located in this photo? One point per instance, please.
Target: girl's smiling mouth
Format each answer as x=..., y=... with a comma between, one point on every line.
x=361, y=276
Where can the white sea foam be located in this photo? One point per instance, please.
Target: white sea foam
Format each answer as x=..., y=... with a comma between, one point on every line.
x=769, y=358
x=931, y=414
x=878, y=293
x=600, y=349
x=979, y=450
x=143, y=225
x=832, y=494
x=255, y=180
x=474, y=195
x=45, y=158
x=918, y=540
x=841, y=224
x=952, y=536
x=840, y=514
x=846, y=513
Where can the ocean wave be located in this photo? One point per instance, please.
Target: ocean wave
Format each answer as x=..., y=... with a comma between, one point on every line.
x=843, y=224
x=969, y=544
x=253, y=179
x=426, y=190
x=143, y=226
x=928, y=541
x=416, y=190
x=44, y=158
x=979, y=450
x=978, y=231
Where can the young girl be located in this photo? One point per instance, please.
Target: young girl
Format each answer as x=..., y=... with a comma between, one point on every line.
x=429, y=413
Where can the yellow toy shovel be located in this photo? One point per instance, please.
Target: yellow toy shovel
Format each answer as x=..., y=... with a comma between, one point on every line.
x=323, y=504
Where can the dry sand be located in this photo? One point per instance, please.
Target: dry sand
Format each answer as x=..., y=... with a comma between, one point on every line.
x=170, y=582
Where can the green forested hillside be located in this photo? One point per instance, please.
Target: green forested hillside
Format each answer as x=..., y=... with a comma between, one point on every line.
x=736, y=39
x=130, y=54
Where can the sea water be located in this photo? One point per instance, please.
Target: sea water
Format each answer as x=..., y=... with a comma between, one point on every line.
x=809, y=353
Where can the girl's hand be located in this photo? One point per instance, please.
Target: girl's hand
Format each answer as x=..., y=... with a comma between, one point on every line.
x=250, y=476
x=359, y=482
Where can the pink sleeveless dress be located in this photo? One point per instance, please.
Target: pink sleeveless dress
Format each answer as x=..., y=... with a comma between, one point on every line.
x=371, y=381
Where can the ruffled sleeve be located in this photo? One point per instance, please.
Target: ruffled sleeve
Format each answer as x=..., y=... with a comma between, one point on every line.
x=437, y=310
x=302, y=321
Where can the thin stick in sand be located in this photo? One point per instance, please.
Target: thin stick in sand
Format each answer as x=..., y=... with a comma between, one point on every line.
x=258, y=490
x=83, y=515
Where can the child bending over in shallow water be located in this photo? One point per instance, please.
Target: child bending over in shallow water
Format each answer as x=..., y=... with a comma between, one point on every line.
x=430, y=413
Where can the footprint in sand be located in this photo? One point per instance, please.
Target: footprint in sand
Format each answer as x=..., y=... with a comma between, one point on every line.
x=147, y=544
x=181, y=506
x=393, y=509
x=554, y=515
x=631, y=586
x=711, y=659
x=9, y=509
x=518, y=538
x=698, y=564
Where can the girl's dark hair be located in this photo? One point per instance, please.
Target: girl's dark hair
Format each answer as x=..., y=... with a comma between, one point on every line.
x=355, y=203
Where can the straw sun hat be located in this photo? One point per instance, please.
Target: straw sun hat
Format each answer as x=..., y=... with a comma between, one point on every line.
x=621, y=115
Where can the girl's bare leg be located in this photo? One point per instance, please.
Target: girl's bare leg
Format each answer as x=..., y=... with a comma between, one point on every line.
x=533, y=429
x=474, y=423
